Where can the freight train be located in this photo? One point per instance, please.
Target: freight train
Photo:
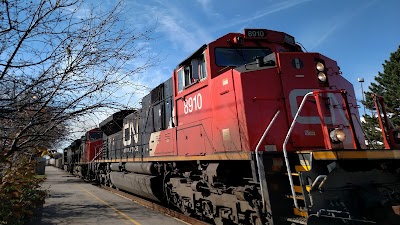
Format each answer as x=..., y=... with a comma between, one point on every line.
x=249, y=130
x=55, y=160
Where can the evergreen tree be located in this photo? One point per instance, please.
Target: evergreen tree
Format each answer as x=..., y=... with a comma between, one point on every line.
x=374, y=134
x=387, y=85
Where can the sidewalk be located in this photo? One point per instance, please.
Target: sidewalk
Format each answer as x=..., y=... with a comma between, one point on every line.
x=72, y=201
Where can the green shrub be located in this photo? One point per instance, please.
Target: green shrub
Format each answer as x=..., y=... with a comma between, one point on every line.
x=20, y=192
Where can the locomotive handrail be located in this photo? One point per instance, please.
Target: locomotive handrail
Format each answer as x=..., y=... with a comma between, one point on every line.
x=320, y=177
x=94, y=158
x=97, y=155
x=258, y=160
x=357, y=145
x=289, y=171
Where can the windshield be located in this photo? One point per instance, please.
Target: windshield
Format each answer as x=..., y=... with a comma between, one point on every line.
x=95, y=136
x=238, y=56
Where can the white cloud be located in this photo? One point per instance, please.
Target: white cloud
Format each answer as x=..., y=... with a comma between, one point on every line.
x=177, y=33
x=173, y=23
x=273, y=8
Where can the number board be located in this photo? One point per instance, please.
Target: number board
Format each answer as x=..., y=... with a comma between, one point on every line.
x=255, y=33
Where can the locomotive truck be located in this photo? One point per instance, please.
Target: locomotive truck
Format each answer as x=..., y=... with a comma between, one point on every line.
x=249, y=129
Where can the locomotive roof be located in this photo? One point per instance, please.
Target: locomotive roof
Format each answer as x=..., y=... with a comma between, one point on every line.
x=196, y=53
x=113, y=123
x=75, y=144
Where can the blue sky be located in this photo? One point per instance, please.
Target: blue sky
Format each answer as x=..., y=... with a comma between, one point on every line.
x=358, y=34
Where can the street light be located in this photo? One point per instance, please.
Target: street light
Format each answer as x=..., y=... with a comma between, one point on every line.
x=361, y=80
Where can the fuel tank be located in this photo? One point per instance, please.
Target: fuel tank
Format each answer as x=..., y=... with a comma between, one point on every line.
x=149, y=187
x=115, y=167
x=142, y=168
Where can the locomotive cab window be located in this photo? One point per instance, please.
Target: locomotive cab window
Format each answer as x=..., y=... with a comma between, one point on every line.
x=238, y=56
x=202, y=67
x=188, y=75
x=192, y=73
x=180, y=80
x=95, y=136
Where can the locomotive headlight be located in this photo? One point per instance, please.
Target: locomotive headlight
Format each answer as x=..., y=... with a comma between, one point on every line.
x=320, y=67
x=321, y=77
x=337, y=135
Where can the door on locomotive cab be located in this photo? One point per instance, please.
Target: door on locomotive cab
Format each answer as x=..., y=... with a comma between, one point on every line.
x=226, y=133
x=193, y=108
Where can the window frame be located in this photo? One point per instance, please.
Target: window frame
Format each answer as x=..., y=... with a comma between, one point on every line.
x=180, y=81
x=195, y=75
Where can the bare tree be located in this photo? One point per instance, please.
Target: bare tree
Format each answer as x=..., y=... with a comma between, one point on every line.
x=59, y=60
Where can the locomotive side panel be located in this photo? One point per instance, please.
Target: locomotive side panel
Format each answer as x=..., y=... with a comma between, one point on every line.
x=115, y=145
x=163, y=143
x=193, y=108
x=191, y=141
x=156, y=116
x=259, y=96
x=193, y=105
x=145, y=124
x=168, y=104
x=226, y=133
x=131, y=136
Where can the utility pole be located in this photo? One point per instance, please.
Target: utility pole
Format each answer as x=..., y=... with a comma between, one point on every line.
x=361, y=80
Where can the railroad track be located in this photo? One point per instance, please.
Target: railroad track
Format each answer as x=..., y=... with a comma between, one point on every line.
x=156, y=207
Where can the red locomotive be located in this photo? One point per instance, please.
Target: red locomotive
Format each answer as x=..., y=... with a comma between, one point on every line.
x=81, y=152
x=251, y=130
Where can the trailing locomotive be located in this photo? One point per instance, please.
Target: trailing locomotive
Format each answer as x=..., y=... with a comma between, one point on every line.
x=249, y=130
x=79, y=154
